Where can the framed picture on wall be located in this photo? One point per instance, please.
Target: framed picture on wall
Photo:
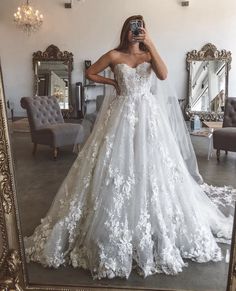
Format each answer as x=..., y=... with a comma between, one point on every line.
x=87, y=64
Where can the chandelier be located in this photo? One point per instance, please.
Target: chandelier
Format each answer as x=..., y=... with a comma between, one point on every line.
x=27, y=18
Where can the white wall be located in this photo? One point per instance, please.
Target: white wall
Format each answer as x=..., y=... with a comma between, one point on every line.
x=91, y=28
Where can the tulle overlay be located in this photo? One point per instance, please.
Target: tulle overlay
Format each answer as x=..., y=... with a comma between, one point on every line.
x=129, y=200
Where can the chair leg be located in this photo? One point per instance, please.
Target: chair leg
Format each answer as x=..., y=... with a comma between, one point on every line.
x=55, y=152
x=226, y=152
x=218, y=155
x=34, y=149
x=78, y=148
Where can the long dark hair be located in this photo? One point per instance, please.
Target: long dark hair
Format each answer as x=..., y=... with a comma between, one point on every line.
x=124, y=43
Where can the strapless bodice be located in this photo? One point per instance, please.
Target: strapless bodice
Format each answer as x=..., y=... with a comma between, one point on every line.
x=133, y=81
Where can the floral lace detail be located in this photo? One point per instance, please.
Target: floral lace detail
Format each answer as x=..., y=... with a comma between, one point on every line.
x=129, y=201
x=221, y=196
x=135, y=81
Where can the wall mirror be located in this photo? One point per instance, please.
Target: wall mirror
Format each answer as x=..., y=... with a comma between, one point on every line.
x=21, y=211
x=208, y=76
x=37, y=180
x=52, y=76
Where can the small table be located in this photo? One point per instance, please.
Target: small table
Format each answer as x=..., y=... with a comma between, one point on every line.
x=207, y=132
x=212, y=124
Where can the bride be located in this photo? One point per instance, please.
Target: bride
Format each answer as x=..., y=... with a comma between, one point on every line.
x=133, y=197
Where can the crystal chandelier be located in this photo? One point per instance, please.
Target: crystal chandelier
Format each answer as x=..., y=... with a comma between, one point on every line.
x=27, y=18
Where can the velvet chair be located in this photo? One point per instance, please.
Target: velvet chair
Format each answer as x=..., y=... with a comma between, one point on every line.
x=47, y=125
x=225, y=137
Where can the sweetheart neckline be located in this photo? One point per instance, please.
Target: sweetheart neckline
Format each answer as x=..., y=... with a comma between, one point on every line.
x=134, y=68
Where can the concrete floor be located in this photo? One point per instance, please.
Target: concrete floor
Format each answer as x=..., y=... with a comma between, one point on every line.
x=38, y=179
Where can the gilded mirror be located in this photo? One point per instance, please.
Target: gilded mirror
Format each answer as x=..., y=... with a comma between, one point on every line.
x=4, y=197
x=208, y=77
x=52, y=76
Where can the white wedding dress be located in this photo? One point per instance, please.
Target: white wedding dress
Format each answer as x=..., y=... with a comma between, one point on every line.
x=129, y=200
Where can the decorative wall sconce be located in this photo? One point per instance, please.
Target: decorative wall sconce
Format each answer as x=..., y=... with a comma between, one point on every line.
x=185, y=3
x=27, y=18
x=69, y=3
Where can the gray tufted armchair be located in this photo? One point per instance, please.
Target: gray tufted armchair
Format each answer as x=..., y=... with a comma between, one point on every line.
x=47, y=125
x=225, y=137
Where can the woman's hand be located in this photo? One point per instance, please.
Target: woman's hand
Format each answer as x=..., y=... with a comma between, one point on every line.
x=115, y=84
x=158, y=64
x=92, y=73
x=143, y=36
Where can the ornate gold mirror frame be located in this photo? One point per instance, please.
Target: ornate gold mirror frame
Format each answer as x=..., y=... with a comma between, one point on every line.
x=53, y=55
x=13, y=275
x=208, y=53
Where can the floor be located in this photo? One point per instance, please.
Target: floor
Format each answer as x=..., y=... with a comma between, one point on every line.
x=38, y=179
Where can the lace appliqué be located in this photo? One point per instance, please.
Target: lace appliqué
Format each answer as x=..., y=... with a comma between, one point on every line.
x=128, y=200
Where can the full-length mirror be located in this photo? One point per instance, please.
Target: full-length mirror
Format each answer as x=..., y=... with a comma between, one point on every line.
x=52, y=72
x=197, y=252
x=122, y=198
x=208, y=75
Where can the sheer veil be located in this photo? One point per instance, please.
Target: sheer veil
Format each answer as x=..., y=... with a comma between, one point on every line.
x=169, y=103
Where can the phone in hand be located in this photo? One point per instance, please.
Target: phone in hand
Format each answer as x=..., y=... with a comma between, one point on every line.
x=135, y=26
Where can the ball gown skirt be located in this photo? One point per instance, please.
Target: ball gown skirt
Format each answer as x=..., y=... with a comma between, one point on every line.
x=129, y=200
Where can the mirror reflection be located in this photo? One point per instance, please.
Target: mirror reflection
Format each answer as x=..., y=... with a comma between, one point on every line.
x=134, y=202
x=207, y=85
x=208, y=75
x=52, y=76
x=53, y=79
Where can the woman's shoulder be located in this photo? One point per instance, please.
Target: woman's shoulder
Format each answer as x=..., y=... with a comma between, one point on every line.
x=113, y=54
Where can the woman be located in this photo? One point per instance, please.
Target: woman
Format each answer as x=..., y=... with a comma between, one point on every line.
x=132, y=51
x=130, y=199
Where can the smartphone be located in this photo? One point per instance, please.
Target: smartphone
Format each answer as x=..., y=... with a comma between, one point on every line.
x=135, y=26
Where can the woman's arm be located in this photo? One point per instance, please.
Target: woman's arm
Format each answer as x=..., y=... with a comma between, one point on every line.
x=101, y=64
x=158, y=64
